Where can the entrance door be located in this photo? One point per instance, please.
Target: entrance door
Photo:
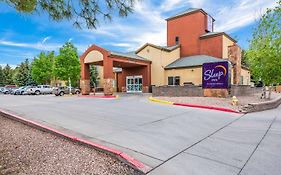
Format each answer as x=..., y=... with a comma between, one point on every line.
x=134, y=84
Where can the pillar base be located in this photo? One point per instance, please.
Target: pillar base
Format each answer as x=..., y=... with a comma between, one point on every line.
x=216, y=93
x=108, y=87
x=85, y=87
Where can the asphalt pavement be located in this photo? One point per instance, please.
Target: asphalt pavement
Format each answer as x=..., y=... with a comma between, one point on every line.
x=169, y=139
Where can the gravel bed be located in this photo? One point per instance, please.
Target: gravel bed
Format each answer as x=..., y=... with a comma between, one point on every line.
x=26, y=150
x=220, y=102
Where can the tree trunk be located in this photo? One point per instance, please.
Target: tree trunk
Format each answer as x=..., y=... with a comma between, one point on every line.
x=69, y=82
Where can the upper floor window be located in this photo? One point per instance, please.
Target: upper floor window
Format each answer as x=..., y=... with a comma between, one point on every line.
x=177, y=40
x=210, y=23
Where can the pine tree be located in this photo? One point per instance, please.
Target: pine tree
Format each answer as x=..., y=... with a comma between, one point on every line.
x=22, y=73
x=1, y=77
x=8, y=75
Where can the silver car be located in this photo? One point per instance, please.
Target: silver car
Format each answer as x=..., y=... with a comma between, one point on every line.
x=40, y=89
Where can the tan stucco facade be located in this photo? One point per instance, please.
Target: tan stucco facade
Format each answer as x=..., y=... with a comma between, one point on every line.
x=193, y=75
x=226, y=43
x=160, y=59
x=245, y=77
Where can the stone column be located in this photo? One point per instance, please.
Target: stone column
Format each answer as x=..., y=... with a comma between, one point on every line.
x=108, y=76
x=85, y=78
x=234, y=56
x=85, y=87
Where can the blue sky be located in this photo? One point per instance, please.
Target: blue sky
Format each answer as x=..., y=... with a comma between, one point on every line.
x=24, y=36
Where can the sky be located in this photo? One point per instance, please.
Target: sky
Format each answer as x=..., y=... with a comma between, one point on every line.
x=23, y=36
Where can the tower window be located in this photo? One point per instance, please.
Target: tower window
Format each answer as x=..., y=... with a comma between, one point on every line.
x=177, y=40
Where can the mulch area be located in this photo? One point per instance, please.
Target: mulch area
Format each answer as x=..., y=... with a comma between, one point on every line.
x=26, y=150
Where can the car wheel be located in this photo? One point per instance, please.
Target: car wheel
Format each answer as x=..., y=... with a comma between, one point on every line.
x=77, y=92
x=37, y=92
x=61, y=93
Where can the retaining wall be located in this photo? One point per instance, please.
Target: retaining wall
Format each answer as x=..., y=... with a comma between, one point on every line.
x=195, y=91
x=177, y=91
x=262, y=106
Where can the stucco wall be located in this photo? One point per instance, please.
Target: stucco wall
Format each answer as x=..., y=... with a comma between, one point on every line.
x=193, y=75
x=246, y=77
x=226, y=42
x=188, y=28
x=160, y=59
x=212, y=46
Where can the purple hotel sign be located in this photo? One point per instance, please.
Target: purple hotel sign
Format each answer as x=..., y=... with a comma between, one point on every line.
x=215, y=75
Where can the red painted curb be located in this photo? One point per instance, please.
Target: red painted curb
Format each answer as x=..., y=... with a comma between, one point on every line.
x=99, y=96
x=135, y=163
x=207, y=107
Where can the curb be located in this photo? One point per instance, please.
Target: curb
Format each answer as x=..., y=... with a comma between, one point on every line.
x=160, y=101
x=128, y=160
x=194, y=105
x=99, y=96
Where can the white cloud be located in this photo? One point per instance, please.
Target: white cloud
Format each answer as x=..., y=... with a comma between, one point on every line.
x=197, y=3
x=45, y=39
x=240, y=14
x=37, y=46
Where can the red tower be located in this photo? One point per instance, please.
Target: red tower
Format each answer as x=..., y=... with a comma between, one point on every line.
x=186, y=28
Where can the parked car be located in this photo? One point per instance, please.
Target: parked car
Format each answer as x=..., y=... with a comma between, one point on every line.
x=21, y=90
x=7, y=90
x=1, y=89
x=40, y=89
x=60, y=91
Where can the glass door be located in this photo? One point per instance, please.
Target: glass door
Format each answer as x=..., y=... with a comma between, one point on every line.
x=134, y=84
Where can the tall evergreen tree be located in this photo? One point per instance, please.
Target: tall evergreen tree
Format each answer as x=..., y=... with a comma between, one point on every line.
x=8, y=75
x=1, y=76
x=22, y=73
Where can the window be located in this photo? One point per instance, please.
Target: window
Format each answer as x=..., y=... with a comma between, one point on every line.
x=177, y=40
x=174, y=81
x=209, y=24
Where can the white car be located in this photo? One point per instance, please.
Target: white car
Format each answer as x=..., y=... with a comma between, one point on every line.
x=40, y=89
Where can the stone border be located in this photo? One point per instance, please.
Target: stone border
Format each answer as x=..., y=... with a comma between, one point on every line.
x=125, y=158
x=262, y=106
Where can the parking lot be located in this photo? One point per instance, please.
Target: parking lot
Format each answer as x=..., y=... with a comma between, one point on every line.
x=169, y=139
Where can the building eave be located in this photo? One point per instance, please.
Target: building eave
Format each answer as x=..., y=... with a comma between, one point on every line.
x=156, y=47
x=218, y=34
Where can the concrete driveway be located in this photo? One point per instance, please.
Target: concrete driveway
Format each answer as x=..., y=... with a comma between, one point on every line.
x=169, y=139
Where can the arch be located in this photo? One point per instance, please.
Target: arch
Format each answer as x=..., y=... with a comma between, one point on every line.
x=93, y=56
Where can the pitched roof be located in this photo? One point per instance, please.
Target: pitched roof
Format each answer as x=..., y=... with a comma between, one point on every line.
x=192, y=61
x=186, y=12
x=213, y=34
x=131, y=55
x=165, y=48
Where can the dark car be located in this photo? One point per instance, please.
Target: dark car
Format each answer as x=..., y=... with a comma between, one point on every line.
x=60, y=91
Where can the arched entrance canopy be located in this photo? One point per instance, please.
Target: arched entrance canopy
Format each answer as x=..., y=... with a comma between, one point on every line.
x=130, y=63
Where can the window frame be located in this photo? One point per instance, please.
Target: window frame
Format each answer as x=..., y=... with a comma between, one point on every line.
x=175, y=81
